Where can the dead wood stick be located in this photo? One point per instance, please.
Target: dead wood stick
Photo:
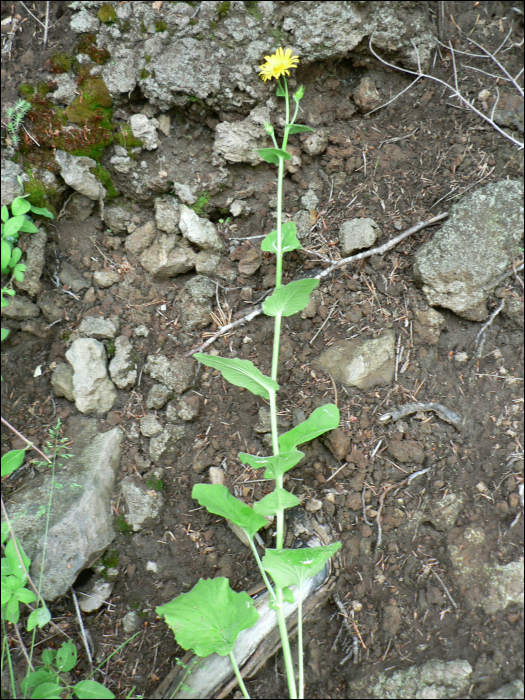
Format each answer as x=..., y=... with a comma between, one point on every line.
x=341, y=263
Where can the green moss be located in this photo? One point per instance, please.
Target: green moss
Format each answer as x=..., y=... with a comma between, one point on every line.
x=223, y=9
x=154, y=483
x=124, y=25
x=120, y=524
x=110, y=344
x=110, y=559
x=26, y=90
x=160, y=24
x=201, y=203
x=253, y=9
x=107, y=14
x=60, y=63
x=126, y=139
x=147, y=59
x=104, y=177
x=194, y=21
x=88, y=45
x=144, y=74
x=39, y=194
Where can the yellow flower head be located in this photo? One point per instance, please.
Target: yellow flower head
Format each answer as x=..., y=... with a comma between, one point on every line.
x=278, y=64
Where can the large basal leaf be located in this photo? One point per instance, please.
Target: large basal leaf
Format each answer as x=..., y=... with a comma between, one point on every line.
x=273, y=155
x=28, y=227
x=209, y=617
x=42, y=211
x=217, y=499
x=322, y=420
x=289, y=239
x=290, y=567
x=85, y=690
x=276, y=465
x=269, y=505
x=241, y=373
x=290, y=299
x=297, y=128
x=11, y=461
x=13, y=225
x=12, y=557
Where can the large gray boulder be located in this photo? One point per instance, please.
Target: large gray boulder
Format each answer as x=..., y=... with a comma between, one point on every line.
x=80, y=517
x=463, y=262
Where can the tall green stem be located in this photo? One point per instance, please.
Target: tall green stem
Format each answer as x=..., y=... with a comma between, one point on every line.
x=287, y=654
x=300, y=642
x=238, y=674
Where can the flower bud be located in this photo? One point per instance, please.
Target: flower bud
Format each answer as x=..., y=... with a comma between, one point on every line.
x=299, y=94
x=269, y=128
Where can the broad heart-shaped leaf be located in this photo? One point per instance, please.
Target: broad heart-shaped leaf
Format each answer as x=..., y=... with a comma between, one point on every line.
x=35, y=678
x=322, y=419
x=272, y=155
x=289, y=238
x=290, y=299
x=276, y=465
x=209, y=617
x=269, y=505
x=293, y=566
x=217, y=499
x=20, y=206
x=241, y=373
x=92, y=689
x=39, y=617
x=297, y=128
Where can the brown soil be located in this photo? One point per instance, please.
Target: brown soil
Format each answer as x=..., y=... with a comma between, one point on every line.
x=441, y=151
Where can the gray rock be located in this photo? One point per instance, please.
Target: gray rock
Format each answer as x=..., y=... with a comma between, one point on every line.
x=121, y=75
x=188, y=407
x=166, y=448
x=52, y=306
x=84, y=22
x=428, y=325
x=141, y=331
x=99, y=328
x=62, y=381
x=513, y=310
x=366, y=95
x=122, y=164
x=11, y=188
x=444, y=514
x=201, y=289
x=93, y=390
x=465, y=259
x=116, y=218
x=238, y=142
x=303, y=223
x=76, y=172
x=80, y=207
x=361, y=363
x=207, y=262
x=123, y=366
x=194, y=316
x=199, y=231
x=185, y=193
x=406, y=451
x=141, y=239
x=357, y=234
x=150, y=426
x=165, y=124
x=435, y=679
x=72, y=278
x=482, y=583
x=309, y=200
x=64, y=94
x=81, y=523
x=312, y=307
x=98, y=593
x=157, y=396
x=146, y=130
x=176, y=373
x=315, y=143
x=35, y=245
x=106, y=278
x=131, y=622
x=20, y=309
x=167, y=214
x=508, y=691
x=143, y=505
x=166, y=258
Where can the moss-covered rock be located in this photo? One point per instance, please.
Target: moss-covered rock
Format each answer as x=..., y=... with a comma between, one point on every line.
x=107, y=14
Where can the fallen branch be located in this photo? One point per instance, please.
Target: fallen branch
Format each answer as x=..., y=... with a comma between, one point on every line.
x=341, y=263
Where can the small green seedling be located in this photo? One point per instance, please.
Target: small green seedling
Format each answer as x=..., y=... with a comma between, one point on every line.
x=13, y=223
x=15, y=116
x=46, y=681
x=209, y=618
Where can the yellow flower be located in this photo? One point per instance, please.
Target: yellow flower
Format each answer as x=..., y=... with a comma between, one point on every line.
x=278, y=64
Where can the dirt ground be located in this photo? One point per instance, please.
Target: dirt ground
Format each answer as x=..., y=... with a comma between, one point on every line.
x=404, y=164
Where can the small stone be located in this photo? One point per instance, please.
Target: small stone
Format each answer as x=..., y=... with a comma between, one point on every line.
x=338, y=443
x=391, y=620
x=90, y=296
x=357, y=234
x=150, y=426
x=157, y=396
x=141, y=331
x=188, y=407
x=406, y=451
x=313, y=505
x=246, y=293
x=130, y=622
x=216, y=475
x=250, y=262
x=354, y=501
x=201, y=462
